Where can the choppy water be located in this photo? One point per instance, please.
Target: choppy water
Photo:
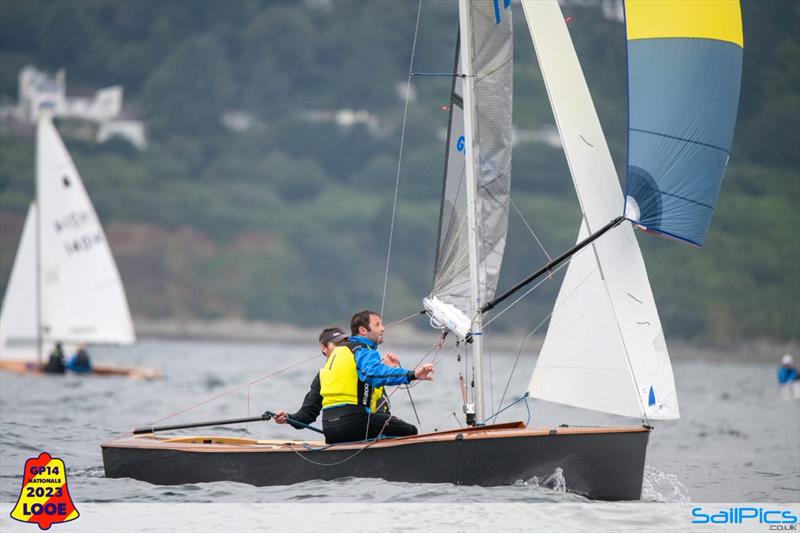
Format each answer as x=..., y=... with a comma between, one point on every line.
x=736, y=441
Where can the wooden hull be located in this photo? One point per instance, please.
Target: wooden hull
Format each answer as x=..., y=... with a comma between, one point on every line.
x=33, y=368
x=600, y=463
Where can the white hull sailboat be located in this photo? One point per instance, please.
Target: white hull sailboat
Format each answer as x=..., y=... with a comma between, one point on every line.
x=604, y=350
x=64, y=284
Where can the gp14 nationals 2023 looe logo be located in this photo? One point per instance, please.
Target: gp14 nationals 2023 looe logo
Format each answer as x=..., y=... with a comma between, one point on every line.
x=44, y=498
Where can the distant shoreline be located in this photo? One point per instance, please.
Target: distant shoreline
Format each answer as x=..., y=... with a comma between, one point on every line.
x=238, y=330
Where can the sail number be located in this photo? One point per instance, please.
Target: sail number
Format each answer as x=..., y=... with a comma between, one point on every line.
x=460, y=144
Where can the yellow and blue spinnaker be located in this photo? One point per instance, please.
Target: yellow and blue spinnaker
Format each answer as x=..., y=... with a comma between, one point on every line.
x=684, y=76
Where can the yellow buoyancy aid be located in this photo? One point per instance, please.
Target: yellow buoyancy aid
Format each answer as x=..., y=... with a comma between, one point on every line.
x=339, y=383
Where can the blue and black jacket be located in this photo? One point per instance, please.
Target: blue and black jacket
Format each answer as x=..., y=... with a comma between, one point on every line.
x=370, y=367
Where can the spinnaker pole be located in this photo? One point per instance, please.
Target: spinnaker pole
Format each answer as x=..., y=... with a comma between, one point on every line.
x=553, y=264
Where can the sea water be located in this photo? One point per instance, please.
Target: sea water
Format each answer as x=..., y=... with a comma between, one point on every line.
x=736, y=441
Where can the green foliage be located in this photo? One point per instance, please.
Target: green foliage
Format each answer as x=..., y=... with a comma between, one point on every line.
x=289, y=220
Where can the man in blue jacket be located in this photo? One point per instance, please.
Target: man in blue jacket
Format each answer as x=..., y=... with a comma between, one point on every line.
x=787, y=372
x=348, y=381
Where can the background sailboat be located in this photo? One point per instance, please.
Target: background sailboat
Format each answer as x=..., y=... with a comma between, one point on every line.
x=64, y=285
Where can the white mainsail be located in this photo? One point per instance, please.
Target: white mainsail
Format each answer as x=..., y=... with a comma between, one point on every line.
x=81, y=294
x=604, y=349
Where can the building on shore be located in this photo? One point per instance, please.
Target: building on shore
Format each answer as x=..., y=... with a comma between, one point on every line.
x=102, y=108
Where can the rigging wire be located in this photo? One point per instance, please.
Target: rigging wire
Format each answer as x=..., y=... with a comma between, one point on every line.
x=526, y=293
x=523, y=397
x=400, y=156
x=540, y=324
x=530, y=229
x=225, y=393
x=406, y=319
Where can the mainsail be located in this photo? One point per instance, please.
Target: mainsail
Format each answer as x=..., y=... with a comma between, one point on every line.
x=684, y=74
x=83, y=299
x=604, y=349
x=492, y=65
x=80, y=293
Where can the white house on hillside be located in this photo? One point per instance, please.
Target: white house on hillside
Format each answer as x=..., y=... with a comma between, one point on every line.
x=41, y=91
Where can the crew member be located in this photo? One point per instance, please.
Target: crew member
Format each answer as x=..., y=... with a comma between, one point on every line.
x=348, y=383
x=80, y=362
x=55, y=364
x=787, y=371
x=329, y=339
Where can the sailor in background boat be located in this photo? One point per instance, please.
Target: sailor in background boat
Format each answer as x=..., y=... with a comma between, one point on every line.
x=348, y=383
x=787, y=373
x=80, y=362
x=55, y=363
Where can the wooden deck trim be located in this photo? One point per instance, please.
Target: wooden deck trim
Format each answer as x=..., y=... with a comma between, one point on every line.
x=259, y=446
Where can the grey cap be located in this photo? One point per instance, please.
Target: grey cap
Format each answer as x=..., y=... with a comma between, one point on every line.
x=332, y=335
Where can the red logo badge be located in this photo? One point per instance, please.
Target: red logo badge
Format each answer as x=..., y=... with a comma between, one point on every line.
x=44, y=498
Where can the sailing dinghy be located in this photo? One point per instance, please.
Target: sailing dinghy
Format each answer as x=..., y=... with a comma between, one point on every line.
x=64, y=284
x=604, y=349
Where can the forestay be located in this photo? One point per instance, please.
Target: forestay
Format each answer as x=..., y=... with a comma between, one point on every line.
x=492, y=52
x=82, y=296
x=684, y=74
x=604, y=349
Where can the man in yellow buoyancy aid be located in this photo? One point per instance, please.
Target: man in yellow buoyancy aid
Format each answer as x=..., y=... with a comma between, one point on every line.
x=329, y=339
x=348, y=383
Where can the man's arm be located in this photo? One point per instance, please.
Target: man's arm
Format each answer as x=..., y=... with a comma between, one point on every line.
x=308, y=413
x=312, y=405
x=372, y=370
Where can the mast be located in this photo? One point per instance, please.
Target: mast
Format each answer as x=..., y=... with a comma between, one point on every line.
x=472, y=164
x=39, y=354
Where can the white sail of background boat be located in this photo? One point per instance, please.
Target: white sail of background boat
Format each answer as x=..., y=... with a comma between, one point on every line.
x=64, y=284
x=604, y=349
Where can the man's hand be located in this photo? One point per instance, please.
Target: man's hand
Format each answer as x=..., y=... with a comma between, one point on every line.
x=425, y=372
x=281, y=417
x=391, y=359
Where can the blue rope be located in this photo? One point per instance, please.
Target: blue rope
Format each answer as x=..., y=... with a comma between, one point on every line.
x=523, y=397
x=270, y=414
x=307, y=426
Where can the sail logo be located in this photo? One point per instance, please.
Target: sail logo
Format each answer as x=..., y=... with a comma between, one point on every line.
x=777, y=519
x=44, y=498
x=497, y=15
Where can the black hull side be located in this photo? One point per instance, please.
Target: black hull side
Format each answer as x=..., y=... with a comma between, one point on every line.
x=606, y=466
